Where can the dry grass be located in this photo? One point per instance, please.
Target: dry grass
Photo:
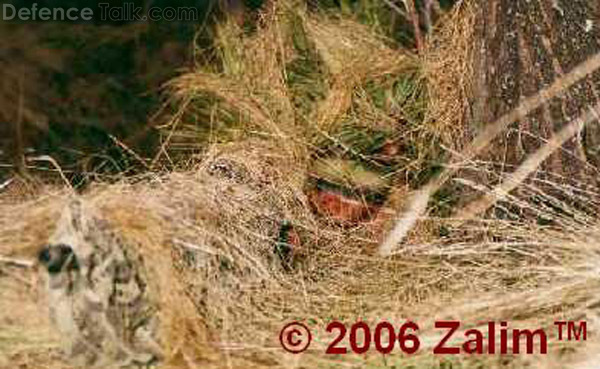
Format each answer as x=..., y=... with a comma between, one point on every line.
x=252, y=86
x=226, y=310
x=448, y=69
x=516, y=271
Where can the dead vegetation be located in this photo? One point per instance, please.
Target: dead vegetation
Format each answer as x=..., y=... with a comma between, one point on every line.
x=238, y=296
x=530, y=261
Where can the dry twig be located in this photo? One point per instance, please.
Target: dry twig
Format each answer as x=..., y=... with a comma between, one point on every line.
x=16, y=262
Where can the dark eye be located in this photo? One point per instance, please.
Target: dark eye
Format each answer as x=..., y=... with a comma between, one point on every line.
x=57, y=258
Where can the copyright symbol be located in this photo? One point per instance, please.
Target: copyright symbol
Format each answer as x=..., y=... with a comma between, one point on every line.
x=295, y=337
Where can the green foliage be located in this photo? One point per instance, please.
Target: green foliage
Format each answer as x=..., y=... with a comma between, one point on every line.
x=387, y=113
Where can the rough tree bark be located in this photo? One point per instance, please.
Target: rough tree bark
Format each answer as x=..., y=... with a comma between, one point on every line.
x=521, y=47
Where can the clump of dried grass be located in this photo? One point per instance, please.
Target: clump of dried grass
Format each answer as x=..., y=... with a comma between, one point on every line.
x=353, y=56
x=448, y=69
x=254, y=83
x=251, y=82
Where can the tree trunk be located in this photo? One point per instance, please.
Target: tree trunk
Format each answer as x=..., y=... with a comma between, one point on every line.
x=523, y=46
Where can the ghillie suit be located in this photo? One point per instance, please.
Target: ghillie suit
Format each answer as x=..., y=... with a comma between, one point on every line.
x=182, y=271
x=133, y=272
